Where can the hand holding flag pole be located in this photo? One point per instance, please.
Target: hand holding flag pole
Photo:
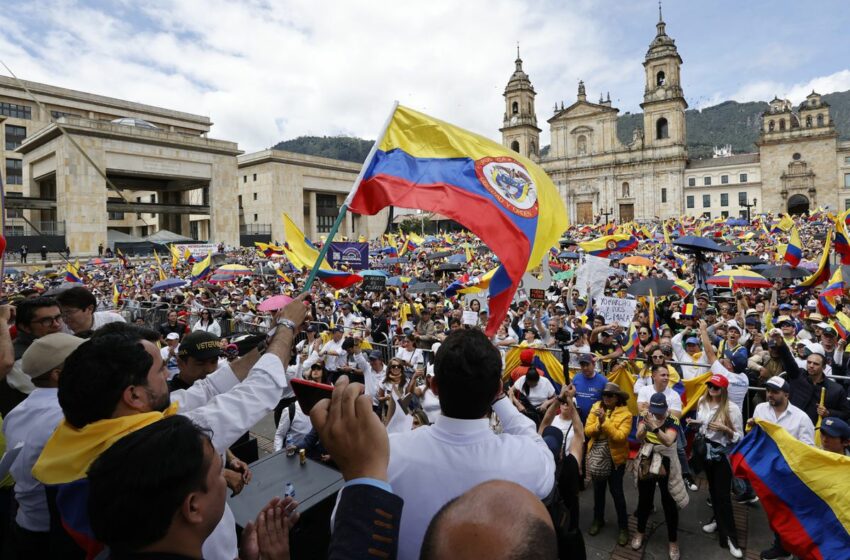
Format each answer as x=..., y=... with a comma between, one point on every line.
x=344, y=208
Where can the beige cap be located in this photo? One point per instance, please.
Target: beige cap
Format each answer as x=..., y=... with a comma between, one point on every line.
x=48, y=352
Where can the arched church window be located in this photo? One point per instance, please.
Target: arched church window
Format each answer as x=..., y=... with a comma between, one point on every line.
x=660, y=78
x=820, y=120
x=514, y=108
x=515, y=146
x=532, y=151
x=781, y=124
x=661, y=129
x=625, y=190
x=770, y=126
x=529, y=109
x=808, y=121
x=581, y=145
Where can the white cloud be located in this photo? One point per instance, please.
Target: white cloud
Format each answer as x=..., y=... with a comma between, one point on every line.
x=766, y=90
x=265, y=71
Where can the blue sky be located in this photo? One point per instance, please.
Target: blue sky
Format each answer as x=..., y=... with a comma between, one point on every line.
x=266, y=70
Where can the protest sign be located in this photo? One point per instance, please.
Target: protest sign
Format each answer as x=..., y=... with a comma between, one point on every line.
x=470, y=318
x=374, y=283
x=354, y=255
x=616, y=310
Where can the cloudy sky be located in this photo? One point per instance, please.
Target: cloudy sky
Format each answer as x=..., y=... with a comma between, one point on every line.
x=267, y=70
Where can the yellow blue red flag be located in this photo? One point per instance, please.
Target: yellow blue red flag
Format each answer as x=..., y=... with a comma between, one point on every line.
x=794, y=249
x=201, y=269
x=608, y=244
x=820, y=275
x=803, y=490
x=501, y=196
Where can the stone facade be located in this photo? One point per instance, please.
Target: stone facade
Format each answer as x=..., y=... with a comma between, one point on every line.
x=308, y=189
x=800, y=164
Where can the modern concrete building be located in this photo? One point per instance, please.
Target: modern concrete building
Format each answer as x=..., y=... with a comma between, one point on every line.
x=168, y=173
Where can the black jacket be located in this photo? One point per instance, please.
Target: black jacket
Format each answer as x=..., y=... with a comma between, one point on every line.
x=805, y=395
x=366, y=524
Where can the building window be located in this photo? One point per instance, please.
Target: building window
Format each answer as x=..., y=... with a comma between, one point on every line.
x=255, y=217
x=846, y=180
x=724, y=214
x=663, y=195
x=846, y=160
x=770, y=126
x=244, y=178
x=11, y=212
x=625, y=191
x=847, y=204
x=115, y=215
x=255, y=176
x=533, y=149
x=692, y=181
x=514, y=108
x=706, y=181
x=742, y=178
x=581, y=145
x=661, y=129
x=724, y=199
x=514, y=147
x=15, y=136
x=690, y=201
x=796, y=156
x=14, y=171
x=820, y=120
x=255, y=196
x=742, y=199
x=660, y=78
x=706, y=215
x=60, y=114
x=706, y=200
x=326, y=212
x=240, y=202
x=15, y=111
x=724, y=179
x=808, y=121
x=153, y=198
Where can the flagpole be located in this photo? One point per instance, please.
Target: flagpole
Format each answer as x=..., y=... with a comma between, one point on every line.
x=344, y=208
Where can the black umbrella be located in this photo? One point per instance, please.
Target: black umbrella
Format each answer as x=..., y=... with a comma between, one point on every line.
x=784, y=271
x=449, y=267
x=423, y=288
x=697, y=244
x=438, y=255
x=746, y=259
x=658, y=287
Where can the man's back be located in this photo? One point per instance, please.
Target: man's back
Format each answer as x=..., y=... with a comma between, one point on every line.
x=431, y=465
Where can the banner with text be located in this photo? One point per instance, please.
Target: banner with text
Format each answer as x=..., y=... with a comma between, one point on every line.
x=616, y=310
x=354, y=255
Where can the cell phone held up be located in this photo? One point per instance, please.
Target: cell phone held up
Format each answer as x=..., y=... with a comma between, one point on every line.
x=308, y=393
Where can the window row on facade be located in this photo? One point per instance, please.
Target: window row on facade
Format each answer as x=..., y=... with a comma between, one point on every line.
x=724, y=180
x=690, y=200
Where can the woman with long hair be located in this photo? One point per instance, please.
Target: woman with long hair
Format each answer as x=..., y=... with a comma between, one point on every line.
x=721, y=424
x=611, y=421
x=207, y=323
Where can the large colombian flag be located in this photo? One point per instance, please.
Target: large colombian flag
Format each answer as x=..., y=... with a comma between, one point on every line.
x=501, y=196
x=803, y=490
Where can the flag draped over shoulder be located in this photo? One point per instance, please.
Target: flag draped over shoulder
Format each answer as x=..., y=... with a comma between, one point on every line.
x=803, y=490
x=504, y=198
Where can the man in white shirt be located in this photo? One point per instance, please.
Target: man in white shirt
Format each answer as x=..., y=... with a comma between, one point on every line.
x=333, y=353
x=779, y=410
x=432, y=465
x=31, y=423
x=169, y=353
x=78, y=311
x=687, y=350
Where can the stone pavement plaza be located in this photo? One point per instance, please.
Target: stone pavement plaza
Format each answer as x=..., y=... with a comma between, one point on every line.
x=754, y=534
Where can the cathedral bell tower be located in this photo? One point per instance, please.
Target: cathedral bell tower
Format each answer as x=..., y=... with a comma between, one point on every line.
x=519, y=127
x=663, y=100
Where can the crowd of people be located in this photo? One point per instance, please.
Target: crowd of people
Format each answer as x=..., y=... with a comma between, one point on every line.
x=130, y=405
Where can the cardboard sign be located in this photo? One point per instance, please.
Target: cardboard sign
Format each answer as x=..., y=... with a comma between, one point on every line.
x=354, y=255
x=536, y=294
x=616, y=310
x=374, y=283
x=470, y=318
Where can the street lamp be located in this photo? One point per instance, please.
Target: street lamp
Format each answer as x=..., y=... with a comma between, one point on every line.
x=747, y=205
x=606, y=214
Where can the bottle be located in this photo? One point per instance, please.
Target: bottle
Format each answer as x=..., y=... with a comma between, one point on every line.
x=290, y=491
x=291, y=448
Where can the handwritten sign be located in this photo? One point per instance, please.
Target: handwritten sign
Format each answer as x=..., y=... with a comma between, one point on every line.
x=616, y=310
x=374, y=283
x=470, y=318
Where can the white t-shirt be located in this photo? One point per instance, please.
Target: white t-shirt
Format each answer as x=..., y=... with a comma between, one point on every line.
x=565, y=425
x=540, y=393
x=674, y=401
x=739, y=383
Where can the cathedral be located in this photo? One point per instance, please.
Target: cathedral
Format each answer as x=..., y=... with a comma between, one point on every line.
x=800, y=164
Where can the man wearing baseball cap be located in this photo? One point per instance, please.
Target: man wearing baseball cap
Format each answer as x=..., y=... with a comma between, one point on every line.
x=779, y=410
x=197, y=358
x=835, y=436
x=31, y=423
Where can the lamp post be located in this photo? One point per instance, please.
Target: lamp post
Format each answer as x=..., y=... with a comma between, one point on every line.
x=749, y=205
x=606, y=214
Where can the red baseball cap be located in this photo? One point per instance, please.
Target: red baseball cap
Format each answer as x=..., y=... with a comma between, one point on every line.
x=718, y=381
